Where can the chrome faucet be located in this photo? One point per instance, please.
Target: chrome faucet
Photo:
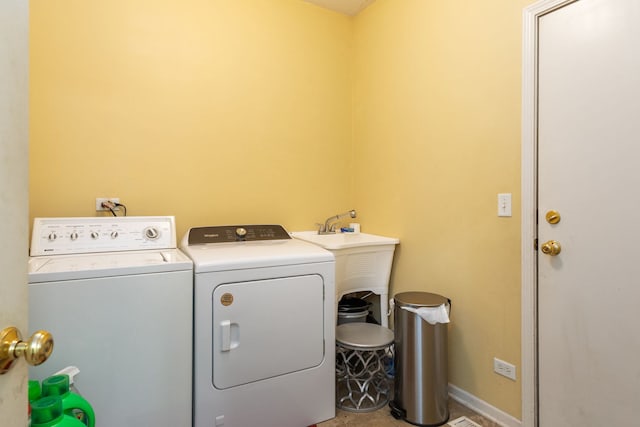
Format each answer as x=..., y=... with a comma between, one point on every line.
x=329, y=226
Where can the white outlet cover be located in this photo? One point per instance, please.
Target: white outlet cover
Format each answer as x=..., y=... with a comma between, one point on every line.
x=503, y=368
x=99, y=201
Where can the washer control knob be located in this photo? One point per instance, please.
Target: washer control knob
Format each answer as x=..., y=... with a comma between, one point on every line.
x=94, y=235
x=114, y=234
x=151, y=233
x=52, y=236
x=73, y=235
x=241, y=232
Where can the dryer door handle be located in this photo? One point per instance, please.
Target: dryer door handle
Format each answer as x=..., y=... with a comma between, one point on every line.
x=230, y=334
x=225, y=328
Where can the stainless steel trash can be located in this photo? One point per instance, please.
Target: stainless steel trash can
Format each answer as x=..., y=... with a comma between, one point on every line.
x=421, y=379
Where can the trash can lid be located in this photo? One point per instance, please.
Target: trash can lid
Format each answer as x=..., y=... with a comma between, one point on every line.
x=419, y=299
x=363, y=335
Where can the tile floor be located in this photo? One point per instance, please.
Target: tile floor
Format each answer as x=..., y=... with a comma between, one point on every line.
x=382, y=418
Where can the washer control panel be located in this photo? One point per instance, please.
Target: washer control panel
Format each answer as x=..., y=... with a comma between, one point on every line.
x=236, y=233
x=55, y=236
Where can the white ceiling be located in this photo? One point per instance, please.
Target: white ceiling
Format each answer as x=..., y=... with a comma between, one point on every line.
x=348, y=7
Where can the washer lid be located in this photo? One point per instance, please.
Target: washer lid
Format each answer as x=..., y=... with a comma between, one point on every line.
x=87, y=266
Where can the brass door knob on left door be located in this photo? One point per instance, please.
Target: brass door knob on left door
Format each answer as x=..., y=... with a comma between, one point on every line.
x=551, y=248
x=35, y=350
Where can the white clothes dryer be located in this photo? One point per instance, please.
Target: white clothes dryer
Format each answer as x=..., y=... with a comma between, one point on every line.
x=264, y=327
x=117, y=296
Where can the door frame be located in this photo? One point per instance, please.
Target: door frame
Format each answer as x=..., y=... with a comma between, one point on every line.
x=529, y=190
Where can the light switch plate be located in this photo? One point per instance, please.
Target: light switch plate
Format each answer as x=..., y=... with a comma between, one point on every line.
x=504, y=204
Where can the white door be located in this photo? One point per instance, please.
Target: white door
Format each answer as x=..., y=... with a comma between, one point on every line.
x=13, y=197
x=589, y=172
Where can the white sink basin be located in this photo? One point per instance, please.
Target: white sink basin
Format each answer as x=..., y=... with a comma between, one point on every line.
x=343, y=240
x=363, y=263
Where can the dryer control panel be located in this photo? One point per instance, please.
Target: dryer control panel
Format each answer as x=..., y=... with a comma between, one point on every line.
x=56, y=236
x=236, y=233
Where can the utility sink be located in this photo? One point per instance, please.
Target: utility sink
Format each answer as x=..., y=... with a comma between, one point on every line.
x=343, y=240
x=363, y=263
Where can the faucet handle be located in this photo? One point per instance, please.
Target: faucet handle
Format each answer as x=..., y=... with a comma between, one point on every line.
x=320, y=227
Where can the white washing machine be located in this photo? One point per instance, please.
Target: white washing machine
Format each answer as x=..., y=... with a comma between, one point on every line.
x=264, y=328
x=117, y=296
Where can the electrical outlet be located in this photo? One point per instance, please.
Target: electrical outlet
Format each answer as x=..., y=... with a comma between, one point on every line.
x=100, y=200
x=504, y=368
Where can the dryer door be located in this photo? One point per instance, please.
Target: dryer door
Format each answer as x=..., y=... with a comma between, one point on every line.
x=266, y=328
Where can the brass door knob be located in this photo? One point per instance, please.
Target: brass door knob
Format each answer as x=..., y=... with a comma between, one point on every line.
x=35, y=350
x=551, y=248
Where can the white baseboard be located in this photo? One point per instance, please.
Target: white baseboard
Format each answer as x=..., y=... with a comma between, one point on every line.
x=483, y=408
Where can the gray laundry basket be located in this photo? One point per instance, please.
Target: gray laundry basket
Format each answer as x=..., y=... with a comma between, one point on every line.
x=421, y=380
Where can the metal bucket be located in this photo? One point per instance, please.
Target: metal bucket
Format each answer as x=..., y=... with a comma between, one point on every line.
x=352, y=310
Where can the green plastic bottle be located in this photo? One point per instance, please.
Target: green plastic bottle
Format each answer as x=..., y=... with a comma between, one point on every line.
x=47, y=412
x=73, y=404
x=35, y=392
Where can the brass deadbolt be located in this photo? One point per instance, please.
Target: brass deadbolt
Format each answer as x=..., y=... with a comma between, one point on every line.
x=552, y=217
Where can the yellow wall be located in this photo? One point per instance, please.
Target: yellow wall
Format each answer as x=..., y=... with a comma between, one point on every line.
x=437, y=137
x=215, y=111
x=231, y=111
